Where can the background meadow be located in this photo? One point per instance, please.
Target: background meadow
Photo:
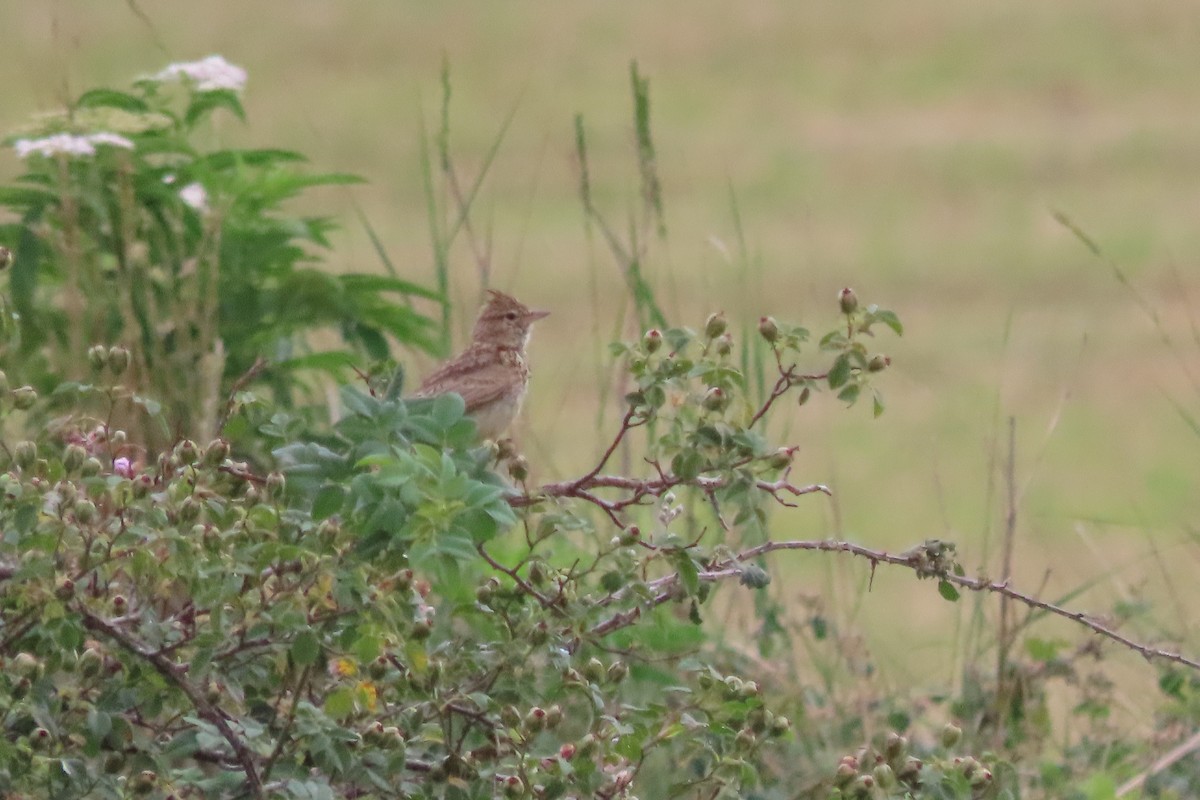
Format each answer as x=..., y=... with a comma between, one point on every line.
x=916, y=152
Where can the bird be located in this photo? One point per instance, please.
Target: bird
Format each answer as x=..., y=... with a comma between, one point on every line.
x=492, y=373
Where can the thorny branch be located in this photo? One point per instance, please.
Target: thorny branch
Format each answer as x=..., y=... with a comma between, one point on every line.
x=917, y=559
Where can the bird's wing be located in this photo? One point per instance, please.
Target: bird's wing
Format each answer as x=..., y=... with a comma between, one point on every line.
x=482, y=384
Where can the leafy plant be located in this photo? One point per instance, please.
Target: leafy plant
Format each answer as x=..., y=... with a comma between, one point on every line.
x=133, y=228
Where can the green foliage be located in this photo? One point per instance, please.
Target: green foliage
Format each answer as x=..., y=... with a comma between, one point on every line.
x=131, y=227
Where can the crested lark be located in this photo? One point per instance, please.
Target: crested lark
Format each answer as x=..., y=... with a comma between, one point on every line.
x=491, y=375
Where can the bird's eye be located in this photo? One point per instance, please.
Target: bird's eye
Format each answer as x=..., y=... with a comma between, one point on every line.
x=511, y=315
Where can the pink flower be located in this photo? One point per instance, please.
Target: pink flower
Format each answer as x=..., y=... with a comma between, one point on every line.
x=123, y=466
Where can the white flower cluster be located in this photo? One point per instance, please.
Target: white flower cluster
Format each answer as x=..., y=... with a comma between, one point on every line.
x=70, y=144
x=209, y=74
x=195, y=196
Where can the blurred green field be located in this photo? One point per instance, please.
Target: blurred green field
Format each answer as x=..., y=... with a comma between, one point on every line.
x=915, y=151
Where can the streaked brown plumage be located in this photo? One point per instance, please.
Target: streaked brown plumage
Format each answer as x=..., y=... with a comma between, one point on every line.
x=492, y=374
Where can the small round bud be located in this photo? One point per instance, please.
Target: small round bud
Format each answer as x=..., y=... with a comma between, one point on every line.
x=844, y=774
x=848, y=300
x=90, y=662
x=143, y=782
x=895, y=746
x=276, y=485
x=25, y=454
x=554, y=715
x=187, y=452
x=951, y=735
x=780, y=725
x=518, y=468
x=535, y=719
x=617, y=671
x=745, y=739
x=715, y=325
x=118, y=360
x=189, y=509
x=97, y=356
x=39, y=738
x=910, y=768
x=65, y=589
x=781, y=458
x=805, y=394
x=878, y=363
x=653, y=340
x=215, y=453
x=714, y=399
x=119, y=603
x=142, y=485
x=884, y=776
x=724, y=344
x=768, y=329
x=85, y=511
x=73, y=457
x=594, y=670
x=26, y=665
x=91, y=468
x=24, y=397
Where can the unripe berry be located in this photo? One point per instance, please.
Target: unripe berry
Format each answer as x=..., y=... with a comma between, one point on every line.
x=878, y=363
x=848, y=300
x=653, y=340
x=715, y=325
x=781, y=458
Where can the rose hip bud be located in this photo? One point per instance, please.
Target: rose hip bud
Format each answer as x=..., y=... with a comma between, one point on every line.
x=24, y=397
x=878, y=363
x=118, y=360
x=25, y=454
x=276, y=484
x=724, y=344
x=216, y=453
x=715, y=325
x=535, y=719
x=768, y=329
x=653, y=340
x=85, y=511
x=848, y=300
x=73, y=457
x=97, y=356
x=187, y=452
x=567, y=751
x=91, y=468
x=781, y=458
x=714, y=399
x=518, y=468
x=951, y=735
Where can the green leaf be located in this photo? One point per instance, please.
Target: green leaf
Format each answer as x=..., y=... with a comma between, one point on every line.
x=839, y=373
x=305, y=648
x=947, y=590
x=110, y=98
x=329, y=501
x=849, y=394
x=204, y=103
x=877, y=404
